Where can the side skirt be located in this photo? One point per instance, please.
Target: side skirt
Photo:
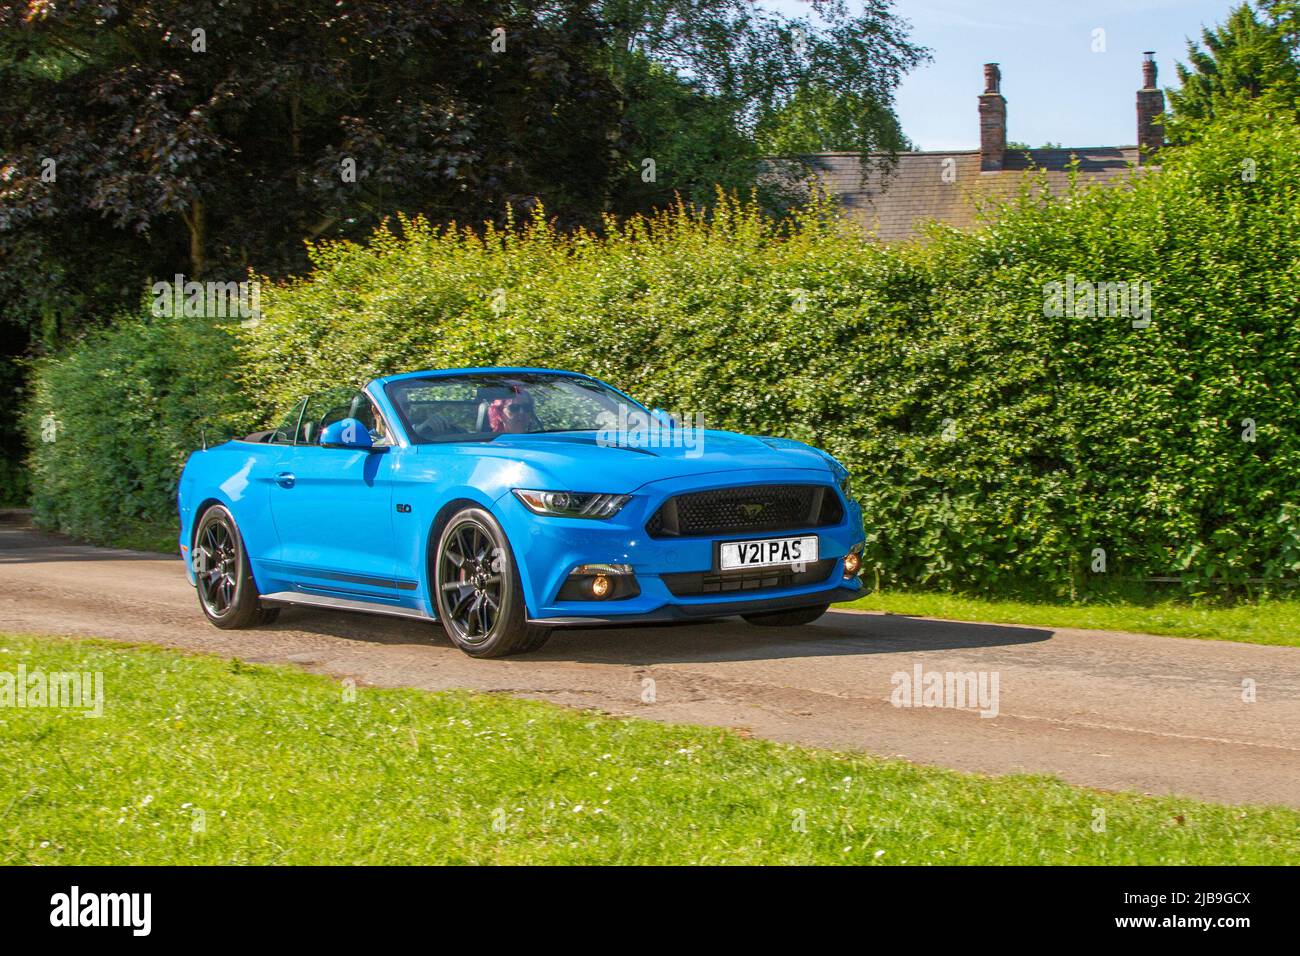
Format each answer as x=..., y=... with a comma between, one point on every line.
x=279, y=598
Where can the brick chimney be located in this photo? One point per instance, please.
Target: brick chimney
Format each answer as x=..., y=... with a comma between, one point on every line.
x=993, y=120
x=1150, y=107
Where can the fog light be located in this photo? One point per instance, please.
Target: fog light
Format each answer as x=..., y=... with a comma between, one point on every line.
x=851, y=564
x=599, y=582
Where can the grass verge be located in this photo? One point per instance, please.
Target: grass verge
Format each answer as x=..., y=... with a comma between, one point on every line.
x=202, y=760
x=1274, y=622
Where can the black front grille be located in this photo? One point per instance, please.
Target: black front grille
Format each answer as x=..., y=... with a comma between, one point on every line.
x=750, y=508
x=688, y=583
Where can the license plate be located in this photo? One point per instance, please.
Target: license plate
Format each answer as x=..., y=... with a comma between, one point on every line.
x=767, y=552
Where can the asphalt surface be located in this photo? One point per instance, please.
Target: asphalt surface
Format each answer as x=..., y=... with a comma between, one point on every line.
x=1108, y=710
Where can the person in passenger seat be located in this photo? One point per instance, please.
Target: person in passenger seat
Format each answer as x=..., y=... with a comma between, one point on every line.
x=513, y=415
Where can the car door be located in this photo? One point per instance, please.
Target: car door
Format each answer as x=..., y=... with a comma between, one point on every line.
x=333, y=507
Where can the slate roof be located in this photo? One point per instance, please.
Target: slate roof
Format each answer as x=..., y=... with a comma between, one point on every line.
x=894, y=207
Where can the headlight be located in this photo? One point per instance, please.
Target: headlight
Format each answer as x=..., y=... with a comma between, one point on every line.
x=571, y=504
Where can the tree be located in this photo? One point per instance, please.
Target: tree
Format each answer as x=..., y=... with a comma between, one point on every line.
x=220, y=134
x=816, y=120
x=1284, y=17
x=1249, y=59
x=719, y=84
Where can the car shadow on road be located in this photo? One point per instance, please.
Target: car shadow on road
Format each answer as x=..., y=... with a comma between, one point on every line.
x=358, y=626
x=838, y=634
x=835, y=635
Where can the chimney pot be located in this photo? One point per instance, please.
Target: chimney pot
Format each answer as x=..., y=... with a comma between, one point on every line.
x=1149, y=70
x=992, y=78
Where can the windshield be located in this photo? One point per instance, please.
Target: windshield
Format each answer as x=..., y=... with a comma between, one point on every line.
x=486, y=406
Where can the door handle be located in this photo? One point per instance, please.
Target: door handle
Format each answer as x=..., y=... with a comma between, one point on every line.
x=284, y=479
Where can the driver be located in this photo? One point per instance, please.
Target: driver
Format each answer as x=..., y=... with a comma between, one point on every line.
x=514, y=414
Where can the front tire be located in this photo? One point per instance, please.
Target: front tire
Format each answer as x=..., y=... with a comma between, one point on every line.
x=479, y=594
x=793, y=617
x=224, y=579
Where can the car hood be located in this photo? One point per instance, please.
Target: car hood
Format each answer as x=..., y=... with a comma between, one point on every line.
x=577, y=461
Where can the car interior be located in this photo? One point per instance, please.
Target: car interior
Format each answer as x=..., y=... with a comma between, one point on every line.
x=448, y=419
x=308, y=430
x=359, y=407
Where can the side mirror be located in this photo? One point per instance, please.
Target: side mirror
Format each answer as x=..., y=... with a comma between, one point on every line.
x=346, y=433
x=664, y=418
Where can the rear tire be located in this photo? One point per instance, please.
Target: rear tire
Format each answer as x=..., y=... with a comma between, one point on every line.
x=793, y=617
x=224, y=578
x=476, y=585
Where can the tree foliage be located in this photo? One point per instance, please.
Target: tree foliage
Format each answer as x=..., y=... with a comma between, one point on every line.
x=110, y=422
x=226, y=125
x=817, y=119
x=1249, y=60
x=747, y=81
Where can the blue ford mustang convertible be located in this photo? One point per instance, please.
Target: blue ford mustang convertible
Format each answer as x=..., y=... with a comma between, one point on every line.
x=504, y=502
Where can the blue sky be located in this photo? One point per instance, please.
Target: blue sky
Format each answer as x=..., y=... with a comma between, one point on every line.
x=1058, y=90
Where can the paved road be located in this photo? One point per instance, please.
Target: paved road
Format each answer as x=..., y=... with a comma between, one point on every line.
x=1107, y=710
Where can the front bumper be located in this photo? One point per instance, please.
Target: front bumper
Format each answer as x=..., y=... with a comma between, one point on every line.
x=713, y=609
x=548, y=549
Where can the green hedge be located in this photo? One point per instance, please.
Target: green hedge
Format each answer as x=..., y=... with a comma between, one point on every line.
x=112, y=422
x=994, y=446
